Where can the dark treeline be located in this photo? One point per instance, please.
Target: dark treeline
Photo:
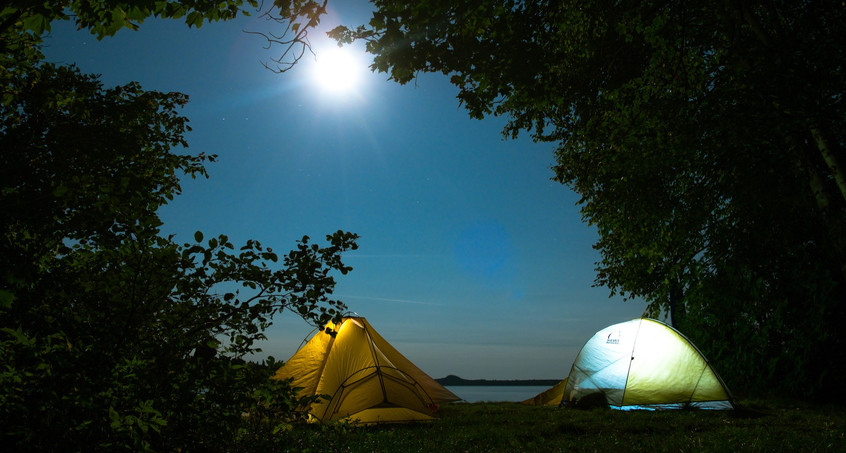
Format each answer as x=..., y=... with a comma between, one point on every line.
x=453, y=380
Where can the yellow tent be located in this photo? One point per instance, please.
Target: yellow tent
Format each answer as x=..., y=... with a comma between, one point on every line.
x=368, y=381
x=549, y=397
x=645, y=364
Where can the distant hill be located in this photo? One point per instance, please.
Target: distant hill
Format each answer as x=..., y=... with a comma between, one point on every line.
x=453, y=380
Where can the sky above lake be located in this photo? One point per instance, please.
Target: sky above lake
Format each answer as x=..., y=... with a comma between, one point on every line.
x=471, y=260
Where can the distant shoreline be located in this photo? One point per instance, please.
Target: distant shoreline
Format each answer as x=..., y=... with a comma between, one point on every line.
x=455, y=381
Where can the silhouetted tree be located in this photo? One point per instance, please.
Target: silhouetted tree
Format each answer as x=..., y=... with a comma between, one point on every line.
x=113, y=336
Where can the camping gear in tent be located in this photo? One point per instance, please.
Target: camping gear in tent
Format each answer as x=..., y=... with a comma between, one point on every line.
x=645, y=364
x=367, y=379
x=549, y=397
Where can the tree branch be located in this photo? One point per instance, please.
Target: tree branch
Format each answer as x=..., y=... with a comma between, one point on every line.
x=299, y=21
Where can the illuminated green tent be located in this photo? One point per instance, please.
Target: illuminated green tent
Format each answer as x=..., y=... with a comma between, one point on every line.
x=368, y=380
x=645, y=364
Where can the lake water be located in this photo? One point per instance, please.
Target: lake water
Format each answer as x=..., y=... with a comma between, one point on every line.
x=492, y=393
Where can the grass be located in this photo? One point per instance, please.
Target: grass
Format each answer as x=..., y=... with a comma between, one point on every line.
x=511, y=427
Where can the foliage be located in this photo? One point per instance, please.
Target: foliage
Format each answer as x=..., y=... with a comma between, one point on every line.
x=113, y=336
x=24, y=22
x=706, y=142
x=107, y=18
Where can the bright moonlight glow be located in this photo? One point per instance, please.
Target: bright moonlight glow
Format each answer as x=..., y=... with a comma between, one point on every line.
x=338, y=70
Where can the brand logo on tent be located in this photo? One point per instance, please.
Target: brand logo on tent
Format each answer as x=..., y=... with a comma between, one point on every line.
x=613, y=338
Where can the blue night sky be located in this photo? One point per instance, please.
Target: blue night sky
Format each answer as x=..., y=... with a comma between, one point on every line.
x=471, y=261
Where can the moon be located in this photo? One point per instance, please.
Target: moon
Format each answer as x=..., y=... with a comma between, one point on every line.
x=338, y=71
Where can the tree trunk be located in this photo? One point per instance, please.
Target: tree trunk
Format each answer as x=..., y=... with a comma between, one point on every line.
x=676, y=302
x=829, y=221
x=831, y=159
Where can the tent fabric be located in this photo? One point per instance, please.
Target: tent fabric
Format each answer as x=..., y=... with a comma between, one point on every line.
x=367, y=379
x=645, y=364
x=549, y=397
